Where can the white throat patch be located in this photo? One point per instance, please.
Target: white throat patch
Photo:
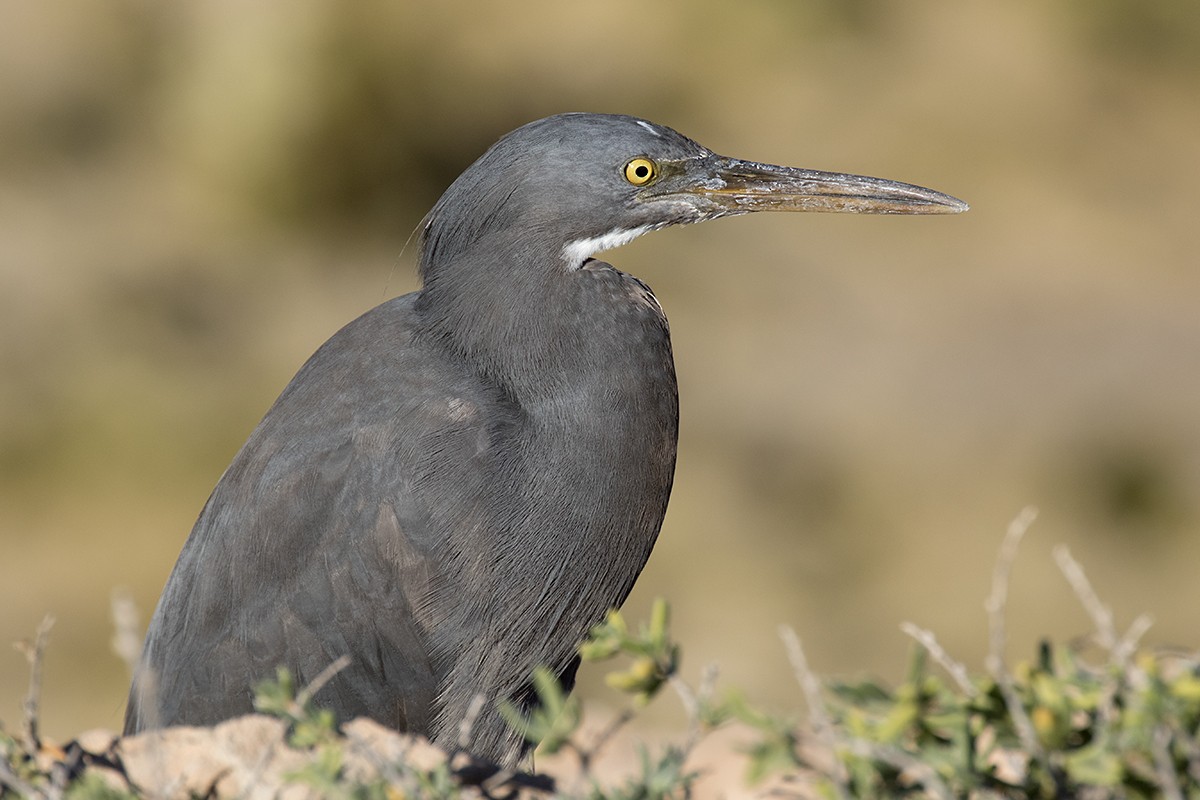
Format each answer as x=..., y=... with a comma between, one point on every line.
x=580, y=250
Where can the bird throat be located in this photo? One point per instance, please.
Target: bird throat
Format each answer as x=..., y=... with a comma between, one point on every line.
x=580, y=250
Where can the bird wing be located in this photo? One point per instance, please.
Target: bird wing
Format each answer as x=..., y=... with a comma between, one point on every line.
x=315, y=520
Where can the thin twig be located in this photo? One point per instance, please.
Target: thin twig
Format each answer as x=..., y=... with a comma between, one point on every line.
x=704, y=693
x=955, y=669
x=586, y=755
x=995, y=605
x=143, y=699
x=1106, y=630
x=35, y=653
x=127, y=633
x=818, y=714
x=603, y=738
x=1101, y=615
x=708, y=682
x=10, y=779
x=323, y=677
x=921, y=772
x=692, y=701
x=687, y=697
x=1168, y=783
x=1191, y=751
x=809, y=685
x=1125, y=648
x=691, y=706
x=497, y=780
x=609, y=731
x=467, y=724
x=1120, y=649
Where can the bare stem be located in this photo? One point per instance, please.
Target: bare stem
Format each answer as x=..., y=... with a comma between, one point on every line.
x=467, y=724
x=1102, y=617
x=10, y=779
x=1123, y=652
x=995, y=605
x=1168, y=784
x=818, y=714
x=691, y=701
x=35, y=653
x=324, y=677
x=601, y=740
x=496, y=781
x=955, y=669
x=127, y=633
x=1120, y=649
x=918, y=770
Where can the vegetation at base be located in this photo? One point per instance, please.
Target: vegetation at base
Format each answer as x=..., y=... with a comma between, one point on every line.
x=1097, y=732
x=1108, y=719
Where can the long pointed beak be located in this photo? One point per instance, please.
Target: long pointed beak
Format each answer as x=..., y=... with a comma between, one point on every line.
x=738, y=187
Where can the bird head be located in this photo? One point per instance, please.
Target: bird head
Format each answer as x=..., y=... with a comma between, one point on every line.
x=578, y=184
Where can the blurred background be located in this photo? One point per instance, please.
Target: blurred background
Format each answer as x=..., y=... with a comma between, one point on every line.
x=194, y=195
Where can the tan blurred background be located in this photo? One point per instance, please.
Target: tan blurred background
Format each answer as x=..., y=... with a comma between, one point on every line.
x=194, y=195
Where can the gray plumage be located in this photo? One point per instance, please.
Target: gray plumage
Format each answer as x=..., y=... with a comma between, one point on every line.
x=462, y=481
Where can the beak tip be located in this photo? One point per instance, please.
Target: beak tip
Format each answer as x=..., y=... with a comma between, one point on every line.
x=947, y=204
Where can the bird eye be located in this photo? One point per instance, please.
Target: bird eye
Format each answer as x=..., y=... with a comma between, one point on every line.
x=641, y=171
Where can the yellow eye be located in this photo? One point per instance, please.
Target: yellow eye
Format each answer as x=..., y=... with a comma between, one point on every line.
x=641, y=171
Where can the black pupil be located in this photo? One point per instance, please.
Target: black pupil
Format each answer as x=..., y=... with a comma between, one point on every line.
x=641, y=170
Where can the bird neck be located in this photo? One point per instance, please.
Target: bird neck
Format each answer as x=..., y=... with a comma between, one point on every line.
x=507, y=318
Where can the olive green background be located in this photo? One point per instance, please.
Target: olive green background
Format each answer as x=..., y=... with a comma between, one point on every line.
x=195, y=194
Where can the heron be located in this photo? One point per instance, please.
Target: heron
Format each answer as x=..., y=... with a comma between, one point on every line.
x=464, y=480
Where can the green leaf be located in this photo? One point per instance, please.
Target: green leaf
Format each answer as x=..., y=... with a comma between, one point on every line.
x=774, y=753
x=552, y=721
x=1094, y=765
x=861, y=693
x=897, y=722
x=660, y=614
x=276, y=697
